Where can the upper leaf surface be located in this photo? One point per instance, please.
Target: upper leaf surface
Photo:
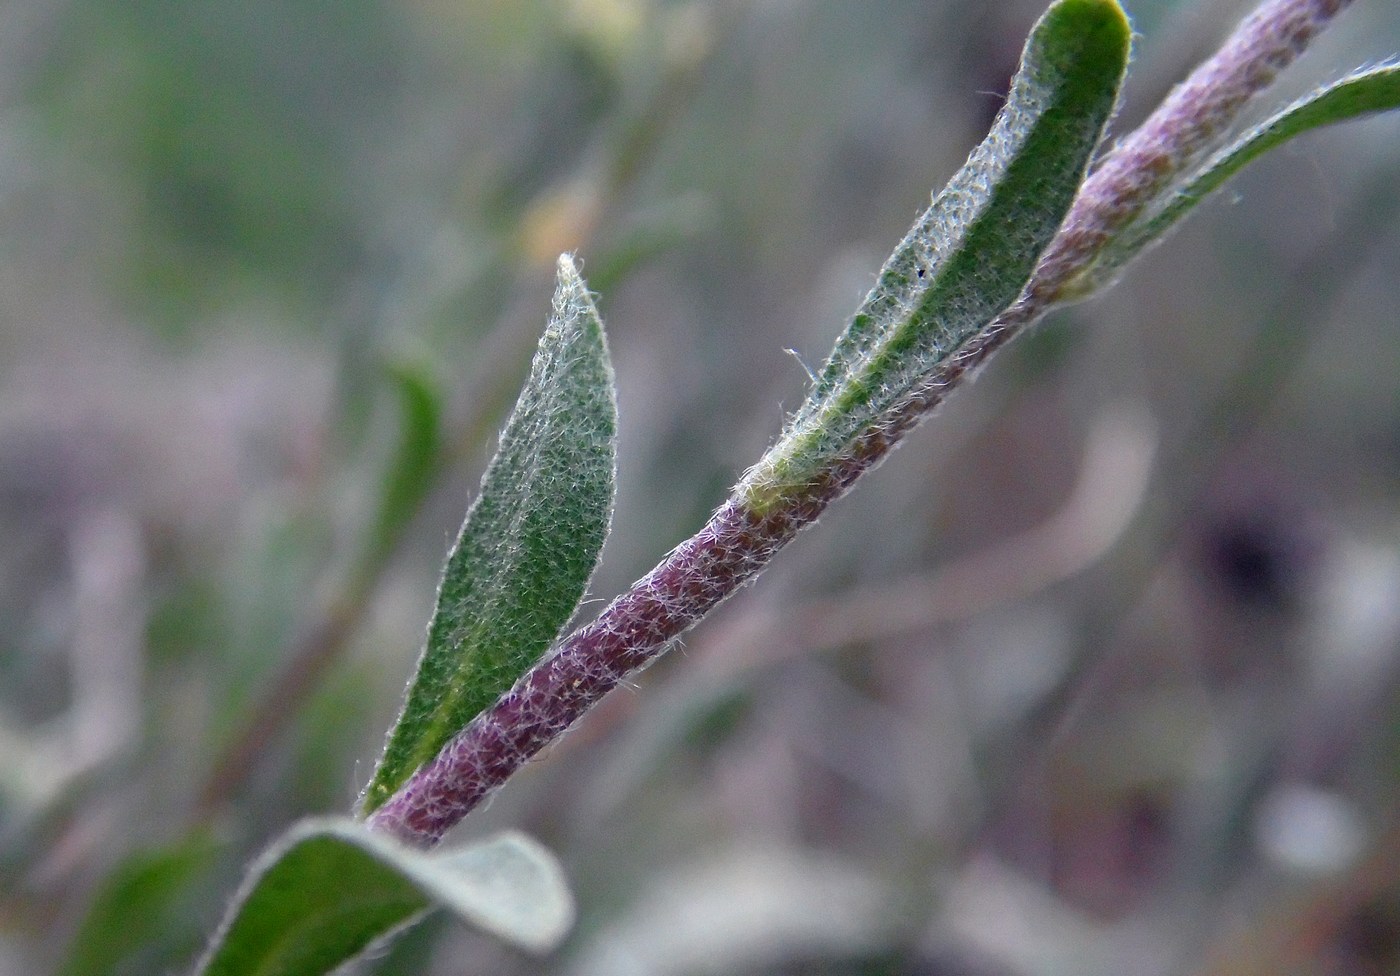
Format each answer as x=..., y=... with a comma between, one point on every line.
x=969, y=255
x=330, y=889
x=529, y=544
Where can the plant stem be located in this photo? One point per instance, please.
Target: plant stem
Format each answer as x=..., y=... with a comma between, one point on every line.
x=738, y=541
x=635, y=628
x=1191, y=121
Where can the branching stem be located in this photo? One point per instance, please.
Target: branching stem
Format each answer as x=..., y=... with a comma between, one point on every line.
x=738, y=541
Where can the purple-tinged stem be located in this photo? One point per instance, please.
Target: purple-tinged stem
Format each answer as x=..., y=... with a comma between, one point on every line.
x=634, y=630
x=1191, y=121
x=738, y=541
x=630, y=633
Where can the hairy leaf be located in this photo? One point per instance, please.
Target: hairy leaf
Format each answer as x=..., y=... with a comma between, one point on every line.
x=969, y=255
x=530, y=542
x=330, y=889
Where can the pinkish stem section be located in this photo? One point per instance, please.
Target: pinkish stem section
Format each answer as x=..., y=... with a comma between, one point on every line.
x=632, y=632
x=737, y=542
x=1189, y=122
x=629, y=634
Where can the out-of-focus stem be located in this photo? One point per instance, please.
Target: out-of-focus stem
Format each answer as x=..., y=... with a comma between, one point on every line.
x=738, y=541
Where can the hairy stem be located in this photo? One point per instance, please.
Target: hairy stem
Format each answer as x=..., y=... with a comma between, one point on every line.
x=739, y=540
x=1190, y=122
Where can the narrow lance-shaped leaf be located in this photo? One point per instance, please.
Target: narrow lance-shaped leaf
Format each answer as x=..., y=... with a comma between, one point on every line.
x=416, y=460
x=529, y=544
x=330, y=889
x=969, y=255
x=1364, y=93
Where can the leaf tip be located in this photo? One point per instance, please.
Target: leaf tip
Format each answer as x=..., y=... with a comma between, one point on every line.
x=572, y=299
x=567, y=274
x=1111, y=11
x=1099, y=26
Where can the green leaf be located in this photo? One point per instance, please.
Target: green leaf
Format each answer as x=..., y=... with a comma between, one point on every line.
x=417, y=457
x=1363, y=93
x=138, y=924
x=330, y=889
x=969, y=255
x=530, y=542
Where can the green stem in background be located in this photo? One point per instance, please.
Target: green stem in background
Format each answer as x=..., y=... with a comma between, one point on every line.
x=417, y=462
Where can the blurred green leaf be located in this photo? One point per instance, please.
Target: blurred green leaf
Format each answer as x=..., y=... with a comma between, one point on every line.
x=529, y=544
x=1363, y=93
x=330, y=889
x=969, y=255
x=138, y=922
x=419, y=454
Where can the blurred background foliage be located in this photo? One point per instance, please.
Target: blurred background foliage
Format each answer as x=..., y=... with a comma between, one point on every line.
x=1100, y=673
